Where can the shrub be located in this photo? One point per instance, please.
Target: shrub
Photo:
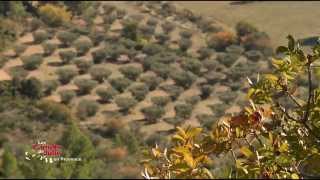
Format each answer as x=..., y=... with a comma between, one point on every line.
x=110, y=18
x=49, y=86
x=167, y=27
x=117, y=154
x=183, y=78
x=185, y=44
x=99, y=73
x=106, y=94
x=192, y=100
x=96, y=37
x=54, y=15
x=173, y=91
x=212, y=65
x=206, y=120
x=19, y=49
x=99, y=55
x=108, y=8
x=139, y=91
x=125, y=103
x=205, y=53
x=67, y=96
x=147, y=31
x=185, y=34
x=54, y=111
x=39, y=36
x=67, y=55
x=236, y=49
x=66, y=73
x=220, y=40
x=85, y=85
x=82, y=64
x=121, y=13
x=160, y=69
x=114, y=51
x=244, y=28
x=254, y=55
x=227, y=59
x=31, y=88
x=49, y=48
x=129, y=30
x=32, y=62
x=257, y=41
x=160, y=100
x=151, y=80
x=35, y=23
x=213, y=77
x=192, y=65
x=152, y=49
x=183, y=110
x=152, y=22
x=82, y=46
x=120, y=83
x=87, y=108
x=227, y=98
x=131, y=72
x=162, y=38
x=206, y=91
x=152, y=113
x=66, y=38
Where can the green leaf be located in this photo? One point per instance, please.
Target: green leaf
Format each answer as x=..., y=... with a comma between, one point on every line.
x=291, y=43
x=281, y=49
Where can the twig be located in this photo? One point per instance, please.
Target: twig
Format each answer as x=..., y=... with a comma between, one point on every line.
x=294, y=99
x=306, y=114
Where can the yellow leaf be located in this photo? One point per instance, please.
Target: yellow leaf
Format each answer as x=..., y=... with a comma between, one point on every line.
x=181, y=132
x=178, y=137
x=246, y=151
x=284, y=147
x=271, y=77
x=294, y=176
x=193, y=132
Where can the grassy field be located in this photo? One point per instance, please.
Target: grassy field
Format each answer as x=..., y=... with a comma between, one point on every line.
x=276, y=18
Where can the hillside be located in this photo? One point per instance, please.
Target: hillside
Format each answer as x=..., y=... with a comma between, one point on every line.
x=117, y=77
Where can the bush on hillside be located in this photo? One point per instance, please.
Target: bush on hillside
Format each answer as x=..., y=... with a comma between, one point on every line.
x=183, y=110
x=66, y=96
x=106, y=94
x=99, y=73
x=192, y=100
x=120, y=83
x=54, y=111
x=48, y=48
x=82, y=46
x=160, y=69
x=220, y=40
x=131, y=72
x=205, y=90
x=172, y=90
x=125, y=103
x=83, y=65
x=66, y=74
x=153, y=113
x=39, y=36
x=32, y=62
x=54, y=15
x=184, y=44
x=162, y=38
x=160, y=100
x=227, y=59
x=185, y=34
x=31, y=88
x=87, y=108
x=151, y=80
x=67, y=55
x=85, y=85
x=49, y=86
x=167, y=27
x=99, y=55
x=192, y=65
x=244, y=28
x=139, y=91
x=19, y=49
x=66, y=38
x=183, y=78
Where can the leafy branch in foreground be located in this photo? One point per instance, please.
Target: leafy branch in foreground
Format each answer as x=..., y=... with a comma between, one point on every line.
x=276, y=136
